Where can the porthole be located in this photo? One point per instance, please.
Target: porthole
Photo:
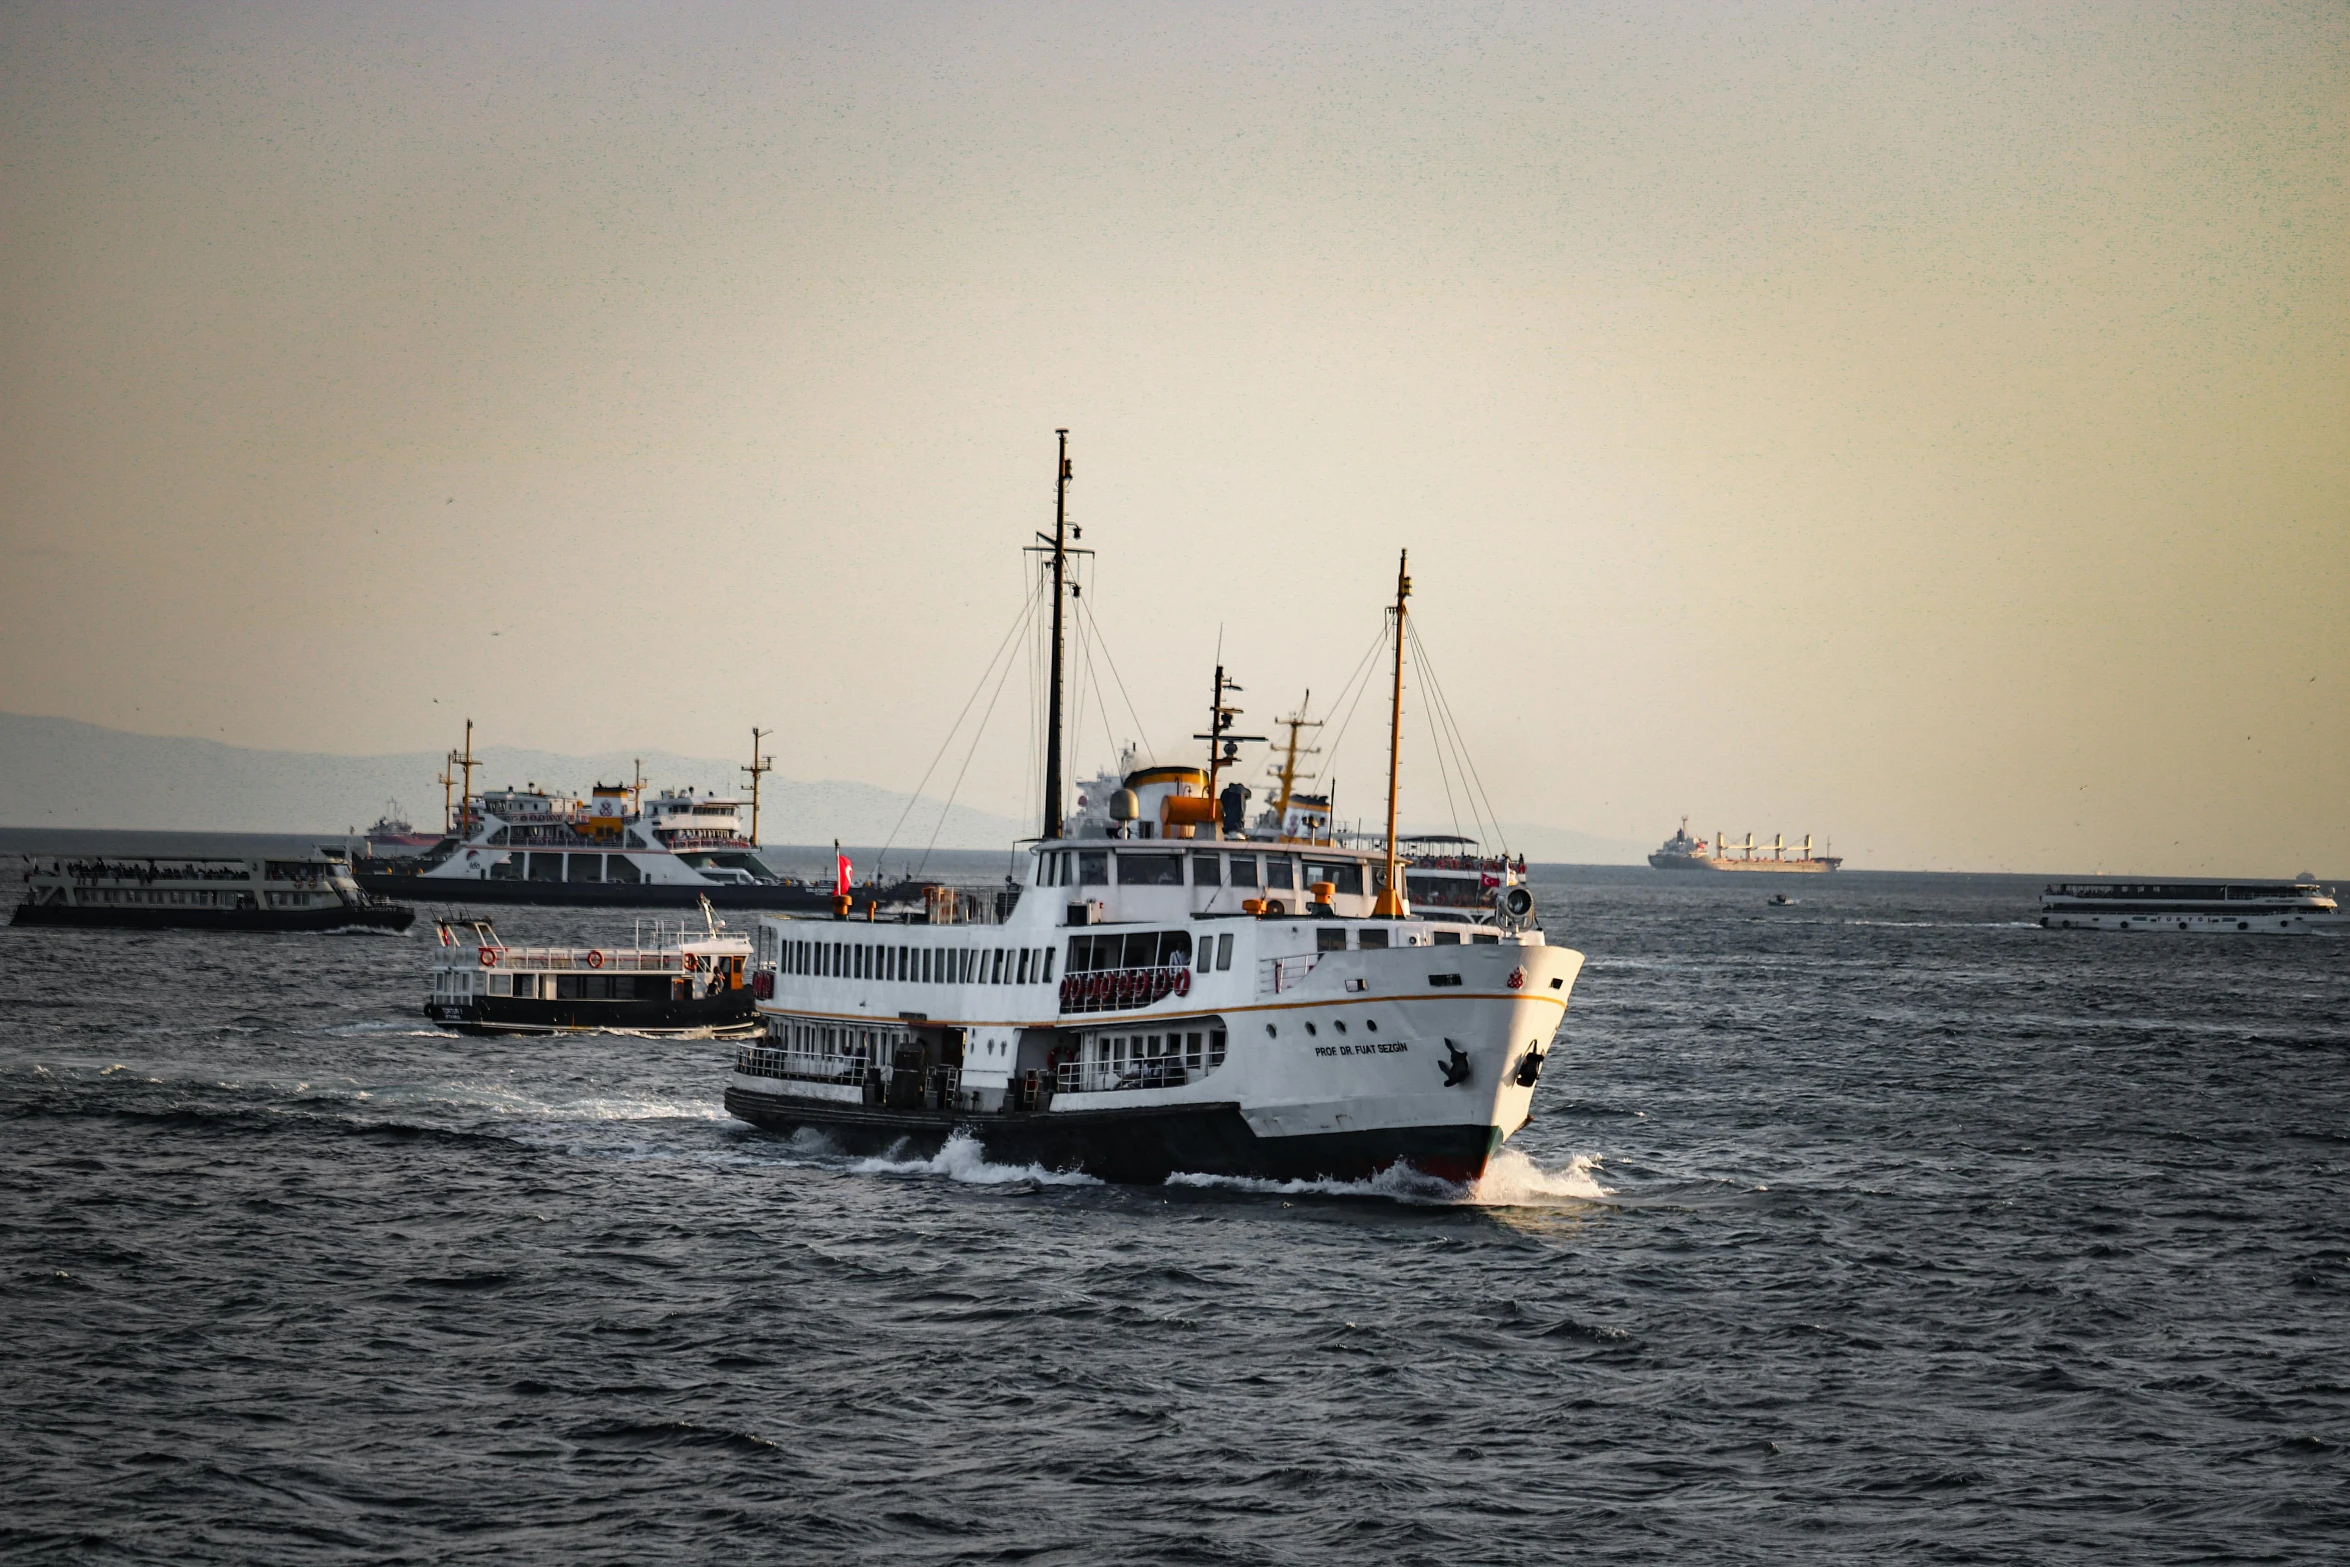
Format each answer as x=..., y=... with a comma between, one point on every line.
x=1311, y=1029
x=1370, y=1025
x=1339, y=1024
x=1271, y=1032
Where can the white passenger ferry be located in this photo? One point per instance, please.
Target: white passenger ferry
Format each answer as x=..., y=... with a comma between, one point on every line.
x=666, y=981
x=1167, y=994
x=181, y=892
x=2198, y=907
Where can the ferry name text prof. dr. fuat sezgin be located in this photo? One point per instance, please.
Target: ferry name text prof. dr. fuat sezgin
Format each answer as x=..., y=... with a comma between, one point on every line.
x=1165, y=992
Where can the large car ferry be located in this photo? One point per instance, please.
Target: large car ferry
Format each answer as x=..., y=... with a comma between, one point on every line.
x=1166, y=993
x=2198, y=907
x=666, y=982
x=623, y=846
x=303, y=892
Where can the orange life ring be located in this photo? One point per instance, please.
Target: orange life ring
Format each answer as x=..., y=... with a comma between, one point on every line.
x=489, y=957
x=595, y=958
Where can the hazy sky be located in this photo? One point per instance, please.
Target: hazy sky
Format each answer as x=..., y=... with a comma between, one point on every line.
x=1927, y=426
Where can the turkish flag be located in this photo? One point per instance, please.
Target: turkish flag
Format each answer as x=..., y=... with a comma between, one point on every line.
x=841, y=886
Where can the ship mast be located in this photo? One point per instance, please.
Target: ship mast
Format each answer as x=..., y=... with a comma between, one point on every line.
x=445, y=779
x=1060, y=544
x=759, y=765
x=1285, y=771
x=1390, y=903
x=1223, y=744
x=465, y=800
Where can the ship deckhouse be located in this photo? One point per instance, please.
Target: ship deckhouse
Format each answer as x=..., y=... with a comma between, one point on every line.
x=1159, y=991
x=622, y=845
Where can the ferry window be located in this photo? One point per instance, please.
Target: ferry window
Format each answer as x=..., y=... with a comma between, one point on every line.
x=1215, y=1048
x=544, y=867
x=567, y=987
x=1224, y=952
x=1139, y=950
x=1175, y=949
x=1048, y=965
x=1150, y=870
x=526, y=986
x=1207, y=954
x=995, y=967
x=1330, y=938
x=1488, y=941
x=1207, y=870
x=1448, y=938
x=1244, y=870
x=501, y=984
x=587, y=867
x=620, y=867
x=1371, y=940
x=1280, y=872
x=1093, y=867
x=1023, y=979
x=1346, y=876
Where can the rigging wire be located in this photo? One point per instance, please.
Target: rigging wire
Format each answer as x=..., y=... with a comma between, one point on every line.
x=1461, y=751
x=1330, y=761
x=1018, y=621
x=1444, y=776
x=1139, y=730
x=978, y=733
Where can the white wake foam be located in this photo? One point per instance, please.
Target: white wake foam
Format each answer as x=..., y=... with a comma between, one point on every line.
x=1511, y=1180
x=962, y=1160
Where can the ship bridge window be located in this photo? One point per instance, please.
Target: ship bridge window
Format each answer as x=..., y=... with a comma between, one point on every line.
x=1093, y=867
x=1207, y=870
x=1345, y=875
x=1370, y=939
x=1280, y=871
x=1150, y=870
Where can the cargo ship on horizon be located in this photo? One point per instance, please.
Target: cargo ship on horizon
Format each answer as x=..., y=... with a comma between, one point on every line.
x=1681, y=852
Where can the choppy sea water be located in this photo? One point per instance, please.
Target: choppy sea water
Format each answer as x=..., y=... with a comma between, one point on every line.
x=1885, y=1227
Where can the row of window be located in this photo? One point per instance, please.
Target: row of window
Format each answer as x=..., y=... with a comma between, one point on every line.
x=1205, y=867
x=1118, y=1055
x=837, y=1039
x=552, y=867
x=909, y=962
x=156, y=895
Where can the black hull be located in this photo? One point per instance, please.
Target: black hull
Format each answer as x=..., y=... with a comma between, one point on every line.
x=618, y=894
x=729, y=1012
x=86, y=916
x=1140, y=1146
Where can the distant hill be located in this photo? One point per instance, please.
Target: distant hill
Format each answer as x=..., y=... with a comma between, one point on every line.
x=56, y=772
x=60, y=773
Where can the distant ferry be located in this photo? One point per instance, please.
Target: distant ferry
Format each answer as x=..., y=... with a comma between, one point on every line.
x=309, y=892
x=2199, y=907
x=685, y=984
x=620, y=846
x=1681, y=852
